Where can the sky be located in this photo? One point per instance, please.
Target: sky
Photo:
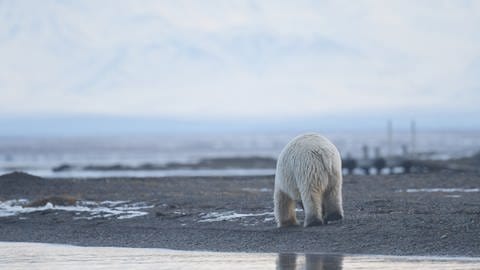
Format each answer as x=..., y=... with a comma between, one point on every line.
x=236, y=60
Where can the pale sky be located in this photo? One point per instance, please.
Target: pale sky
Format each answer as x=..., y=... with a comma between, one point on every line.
x=206, y=59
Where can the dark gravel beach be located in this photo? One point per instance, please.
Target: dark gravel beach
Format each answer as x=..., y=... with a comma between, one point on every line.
x=380, y=216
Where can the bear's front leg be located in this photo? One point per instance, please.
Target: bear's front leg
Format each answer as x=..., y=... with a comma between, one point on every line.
x=284, y=210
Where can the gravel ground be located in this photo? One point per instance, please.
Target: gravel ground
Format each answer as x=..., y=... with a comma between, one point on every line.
x=235, y=214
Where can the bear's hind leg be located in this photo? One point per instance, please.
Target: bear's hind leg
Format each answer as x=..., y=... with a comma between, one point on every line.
x=312, y=203
x=332, y=203
x=284, y=210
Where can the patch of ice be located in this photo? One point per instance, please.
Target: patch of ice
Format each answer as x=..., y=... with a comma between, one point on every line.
x=132, y=215
x=229, y=215
x=257, y=189
x=114, y=203
x=453, y=196
x=180, y=213
x=446, y=190
x=88, y=209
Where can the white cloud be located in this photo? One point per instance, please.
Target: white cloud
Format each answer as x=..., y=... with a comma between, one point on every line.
x=241, y=58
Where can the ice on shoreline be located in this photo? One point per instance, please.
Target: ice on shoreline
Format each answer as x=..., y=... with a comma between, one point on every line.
x=83, y=209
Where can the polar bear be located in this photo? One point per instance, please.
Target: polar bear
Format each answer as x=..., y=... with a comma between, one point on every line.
x=309, y=169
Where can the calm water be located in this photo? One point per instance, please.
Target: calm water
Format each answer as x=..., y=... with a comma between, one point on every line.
x=48, y=256
x=40, y=155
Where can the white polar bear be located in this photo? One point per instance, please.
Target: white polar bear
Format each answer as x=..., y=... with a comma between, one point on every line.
x=309, y=169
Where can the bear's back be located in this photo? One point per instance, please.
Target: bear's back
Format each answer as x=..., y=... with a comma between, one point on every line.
x=310, y=146
x=308, y=155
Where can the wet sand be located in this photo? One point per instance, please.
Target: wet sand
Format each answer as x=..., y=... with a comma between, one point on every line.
x=48, y=256
x=235, y=214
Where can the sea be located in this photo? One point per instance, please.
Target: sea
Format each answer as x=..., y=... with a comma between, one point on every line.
x=40, y=155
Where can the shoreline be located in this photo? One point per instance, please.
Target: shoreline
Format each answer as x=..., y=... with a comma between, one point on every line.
x=178, y=251
x=381, y=216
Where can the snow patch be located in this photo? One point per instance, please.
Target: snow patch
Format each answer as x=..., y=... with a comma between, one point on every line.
x=229, y=215
x=446, y=190
x=453, y=196
x=257, y=189
x=82, y=209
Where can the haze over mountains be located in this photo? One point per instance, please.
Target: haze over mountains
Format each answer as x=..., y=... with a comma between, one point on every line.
x=237, y=65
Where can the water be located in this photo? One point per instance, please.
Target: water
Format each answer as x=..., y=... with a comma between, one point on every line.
x=48, y=256
x=38, y=155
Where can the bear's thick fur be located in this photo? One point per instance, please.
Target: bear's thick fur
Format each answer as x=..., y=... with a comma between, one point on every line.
x=309, y=169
